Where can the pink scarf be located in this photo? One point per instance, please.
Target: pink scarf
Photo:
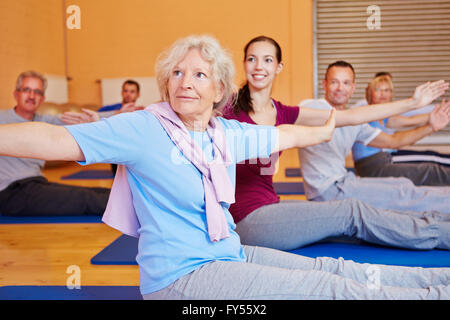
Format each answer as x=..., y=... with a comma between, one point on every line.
x=120, y=213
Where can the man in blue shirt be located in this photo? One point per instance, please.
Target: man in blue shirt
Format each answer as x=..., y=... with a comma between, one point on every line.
x=130, y=93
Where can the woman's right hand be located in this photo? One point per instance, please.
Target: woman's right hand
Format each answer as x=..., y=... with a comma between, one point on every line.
x=329, y=126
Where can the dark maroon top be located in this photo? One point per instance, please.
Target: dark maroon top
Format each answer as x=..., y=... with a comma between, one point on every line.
x=253, y=189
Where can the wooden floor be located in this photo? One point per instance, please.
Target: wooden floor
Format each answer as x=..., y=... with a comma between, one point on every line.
x=40, y=254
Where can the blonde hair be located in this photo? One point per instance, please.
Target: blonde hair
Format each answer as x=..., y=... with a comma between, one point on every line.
x=374, y=83
x=222, y=65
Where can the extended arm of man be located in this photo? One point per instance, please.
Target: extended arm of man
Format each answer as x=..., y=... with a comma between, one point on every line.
x=38, y=140
x=296, y=136
x=423, y=95
x=87, y=115
x=439, y=118
x=129, y=107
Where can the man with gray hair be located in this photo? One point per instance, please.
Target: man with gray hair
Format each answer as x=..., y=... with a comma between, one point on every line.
x=24, y=191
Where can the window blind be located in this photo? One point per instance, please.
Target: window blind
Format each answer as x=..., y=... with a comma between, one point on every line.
x=408, y=38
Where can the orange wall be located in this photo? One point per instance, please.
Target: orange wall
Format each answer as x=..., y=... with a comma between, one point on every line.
x=121, y=38
x=31, y=33
x=302, y=69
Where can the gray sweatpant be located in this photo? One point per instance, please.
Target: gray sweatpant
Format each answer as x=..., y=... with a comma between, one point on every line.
x=381, y=164
x=389, y=193
x=274, y=274
x=291, y=224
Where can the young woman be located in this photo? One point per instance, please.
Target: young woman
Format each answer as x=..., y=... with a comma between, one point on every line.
x=262, y=219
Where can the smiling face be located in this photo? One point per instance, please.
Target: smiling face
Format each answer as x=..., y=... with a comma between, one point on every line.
x=339, y=86
x=29, y=97
x=261, y=65
x=193, y=91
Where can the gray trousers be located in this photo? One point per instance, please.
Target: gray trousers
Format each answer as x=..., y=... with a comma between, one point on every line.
x=405, y=155
x=424, y=173
x=291, y=224
x=274, y=274
x=389, y=193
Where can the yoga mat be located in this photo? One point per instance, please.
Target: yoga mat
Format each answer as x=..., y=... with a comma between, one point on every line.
x=289, y=187
x=123, y=251
x=62, y=219
x=374, y=254
x=64, y=293
x=295, y=172
x=89, y=175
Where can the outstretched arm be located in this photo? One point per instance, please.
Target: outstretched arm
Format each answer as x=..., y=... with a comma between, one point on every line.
x=91, y=116
x=86, y=115
x=129, y=107
x=38, y=140
x=295, y=136
x=423, y=95
x=399, y=121
x=439, y=118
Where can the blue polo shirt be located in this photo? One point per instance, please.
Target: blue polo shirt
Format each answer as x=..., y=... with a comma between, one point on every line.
x=361, y=151
x=112, y=107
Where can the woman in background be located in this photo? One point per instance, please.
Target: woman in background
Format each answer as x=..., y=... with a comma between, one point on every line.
x=425, y=167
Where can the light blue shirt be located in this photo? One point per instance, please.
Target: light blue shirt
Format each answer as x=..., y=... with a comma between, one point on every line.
x=167, y=189
x=361, y=151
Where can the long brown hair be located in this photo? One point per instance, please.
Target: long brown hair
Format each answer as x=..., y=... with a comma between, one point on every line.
x=244, y=100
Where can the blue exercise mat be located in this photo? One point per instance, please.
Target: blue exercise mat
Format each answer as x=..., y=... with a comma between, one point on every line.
x=124, y=249
x=64, y=293
x=289, y=188
x=62, y=219
x=89, y=175
x=374, y=254
x=295, y=172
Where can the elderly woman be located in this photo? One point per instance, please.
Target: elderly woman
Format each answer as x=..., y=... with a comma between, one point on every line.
x=177, y=161
x=426, y=168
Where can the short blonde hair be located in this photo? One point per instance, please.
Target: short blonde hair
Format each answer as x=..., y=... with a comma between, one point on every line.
x=374, y=83
x=222, y=65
